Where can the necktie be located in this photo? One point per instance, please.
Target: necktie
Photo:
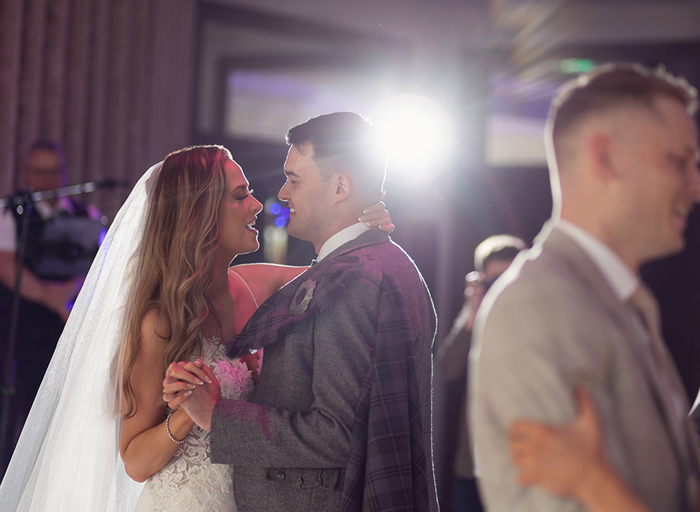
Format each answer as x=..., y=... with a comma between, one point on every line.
x=644, y=304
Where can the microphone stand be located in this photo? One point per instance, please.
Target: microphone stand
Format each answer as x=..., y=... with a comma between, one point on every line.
x=24, y=202
x=71, y=190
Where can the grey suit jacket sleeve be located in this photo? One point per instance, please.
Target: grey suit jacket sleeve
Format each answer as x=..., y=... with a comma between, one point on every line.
x=520, y=370
x=248, y=434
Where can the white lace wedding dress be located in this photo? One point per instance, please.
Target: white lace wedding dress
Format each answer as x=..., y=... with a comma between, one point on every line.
x=190, y=482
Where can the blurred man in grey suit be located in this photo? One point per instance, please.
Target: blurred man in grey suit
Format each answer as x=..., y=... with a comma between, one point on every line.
x=622, y=149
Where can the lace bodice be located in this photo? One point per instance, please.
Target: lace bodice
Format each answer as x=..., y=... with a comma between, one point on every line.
x=190, y=482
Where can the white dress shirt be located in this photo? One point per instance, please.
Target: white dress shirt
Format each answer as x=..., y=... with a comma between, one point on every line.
x=341, y=237
x=623, y=281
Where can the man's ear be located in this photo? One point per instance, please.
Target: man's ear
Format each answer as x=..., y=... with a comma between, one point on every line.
x=342, y=187
x=601, y=147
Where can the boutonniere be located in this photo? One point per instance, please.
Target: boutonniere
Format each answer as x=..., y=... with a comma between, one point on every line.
x=301, y=304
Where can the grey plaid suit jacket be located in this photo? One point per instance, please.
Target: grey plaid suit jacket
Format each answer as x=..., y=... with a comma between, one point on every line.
x=552, y=322
x=289, y=444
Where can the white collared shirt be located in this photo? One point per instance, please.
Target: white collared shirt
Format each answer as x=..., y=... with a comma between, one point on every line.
x=623, y=281
x=341, y=237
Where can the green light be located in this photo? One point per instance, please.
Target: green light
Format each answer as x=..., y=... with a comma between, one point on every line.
x=575, y=66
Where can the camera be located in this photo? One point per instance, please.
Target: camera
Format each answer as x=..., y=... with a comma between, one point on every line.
x=476, y=278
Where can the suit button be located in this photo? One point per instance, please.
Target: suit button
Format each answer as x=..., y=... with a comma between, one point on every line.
x=318, y=481
x=300, y=481
x=280, y=476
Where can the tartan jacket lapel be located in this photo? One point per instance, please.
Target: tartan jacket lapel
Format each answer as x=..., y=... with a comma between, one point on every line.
x=313, y=291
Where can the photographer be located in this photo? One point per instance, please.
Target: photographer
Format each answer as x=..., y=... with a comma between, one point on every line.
x=491, y=258
x=43, y=294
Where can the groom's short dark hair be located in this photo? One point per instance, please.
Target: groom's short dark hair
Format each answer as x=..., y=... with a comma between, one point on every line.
x=344, y=142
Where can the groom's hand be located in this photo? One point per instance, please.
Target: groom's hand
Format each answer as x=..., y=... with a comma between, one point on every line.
x=200, y=405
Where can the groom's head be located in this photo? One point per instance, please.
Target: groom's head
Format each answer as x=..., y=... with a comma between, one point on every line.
x=334, y=170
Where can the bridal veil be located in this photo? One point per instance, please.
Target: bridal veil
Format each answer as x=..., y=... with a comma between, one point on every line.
x=67, y=457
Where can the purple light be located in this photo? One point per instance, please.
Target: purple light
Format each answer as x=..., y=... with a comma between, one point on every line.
x=103, y=234
x=280, y=222
x=285, y=213
x=275, y=209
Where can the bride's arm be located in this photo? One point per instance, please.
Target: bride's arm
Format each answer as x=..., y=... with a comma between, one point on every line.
x=265, y=279
x=144, y=444
x=570, y=460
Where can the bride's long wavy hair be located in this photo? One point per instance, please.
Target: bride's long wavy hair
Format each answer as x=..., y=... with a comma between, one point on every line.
x=178, y=257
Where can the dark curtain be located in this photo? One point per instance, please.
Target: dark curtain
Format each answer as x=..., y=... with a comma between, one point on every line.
x=110, y=80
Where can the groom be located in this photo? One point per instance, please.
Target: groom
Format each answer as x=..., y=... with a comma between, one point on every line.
x=341, y=416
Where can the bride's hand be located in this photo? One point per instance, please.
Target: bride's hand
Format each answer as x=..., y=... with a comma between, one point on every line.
x=559, y=459
x=183, y=377
x=200, y=405
x=377, y=216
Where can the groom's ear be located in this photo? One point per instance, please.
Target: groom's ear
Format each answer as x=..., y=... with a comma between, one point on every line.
x=342, y=187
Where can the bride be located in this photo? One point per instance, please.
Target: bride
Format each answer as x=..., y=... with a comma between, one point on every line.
x=159, y=290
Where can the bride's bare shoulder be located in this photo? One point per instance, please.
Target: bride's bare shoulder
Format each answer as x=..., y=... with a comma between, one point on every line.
x=154, y=329
x=148, y=351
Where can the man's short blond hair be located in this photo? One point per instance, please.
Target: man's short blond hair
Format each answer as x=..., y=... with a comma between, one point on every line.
x=613, y=86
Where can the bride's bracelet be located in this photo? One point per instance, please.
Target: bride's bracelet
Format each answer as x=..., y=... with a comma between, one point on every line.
x=167, y=429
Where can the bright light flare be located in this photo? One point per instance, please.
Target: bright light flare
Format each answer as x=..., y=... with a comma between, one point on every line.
x=416, y=136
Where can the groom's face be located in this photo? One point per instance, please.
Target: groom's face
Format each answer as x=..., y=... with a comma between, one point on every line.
x=306, y=191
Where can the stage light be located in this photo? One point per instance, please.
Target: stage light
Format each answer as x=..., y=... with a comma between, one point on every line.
x=280, y=214
x=273, y=233
x=416, y=136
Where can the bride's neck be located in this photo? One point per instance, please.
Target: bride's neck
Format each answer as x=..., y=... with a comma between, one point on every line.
x=219, y=286
x=221, y=300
